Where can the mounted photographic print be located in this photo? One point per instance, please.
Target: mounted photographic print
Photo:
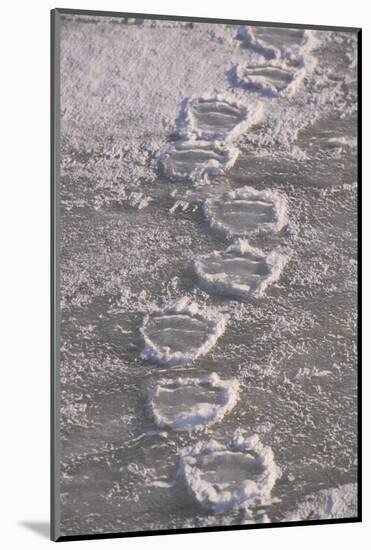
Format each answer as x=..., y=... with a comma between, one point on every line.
x=205, y=193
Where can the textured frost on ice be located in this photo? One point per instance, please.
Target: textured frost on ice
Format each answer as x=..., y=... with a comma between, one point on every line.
x=246, y=212
x=189, y=160
x=240, y=270
x=223, y=477
x=192, y=403
x=340, y=502
x=221, y=117
x=181, y=332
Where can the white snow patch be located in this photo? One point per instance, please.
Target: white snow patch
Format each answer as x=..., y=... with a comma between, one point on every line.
x=161, y=484
x=179, y=333
x=192, y=403
x=139, y=200
x=223, y=477
x=179, y=205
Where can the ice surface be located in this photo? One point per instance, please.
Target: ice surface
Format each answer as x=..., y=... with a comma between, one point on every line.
x=179, y=333
x=191, y=403
x=246, y=212
x=223, y=477
x=340, y=502
x=193, y=159
x=240, y=270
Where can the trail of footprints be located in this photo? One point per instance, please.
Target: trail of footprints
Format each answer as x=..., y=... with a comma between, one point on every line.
x=242, y=472
x=282, y=67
